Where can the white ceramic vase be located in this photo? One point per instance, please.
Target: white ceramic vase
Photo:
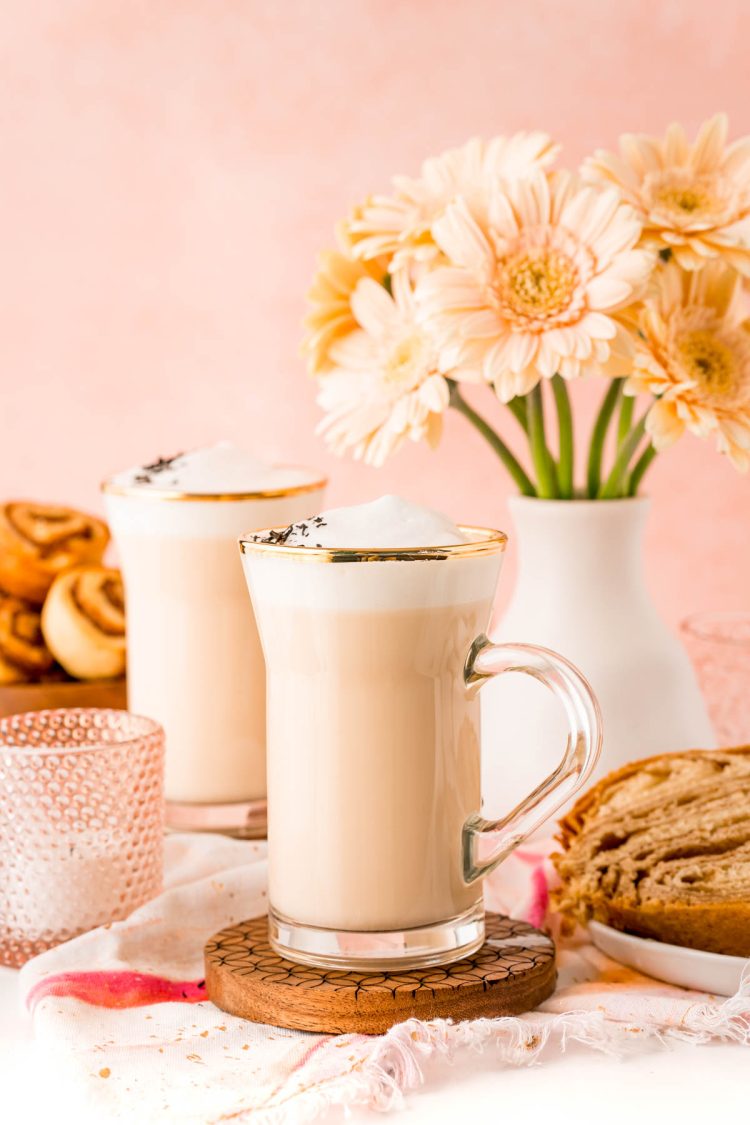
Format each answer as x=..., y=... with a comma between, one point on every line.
x=580, y=590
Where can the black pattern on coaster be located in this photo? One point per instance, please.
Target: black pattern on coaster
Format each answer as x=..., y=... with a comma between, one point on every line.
x=512, y=951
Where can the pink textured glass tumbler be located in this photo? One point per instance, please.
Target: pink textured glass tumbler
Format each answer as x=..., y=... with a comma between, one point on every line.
x=81, y=824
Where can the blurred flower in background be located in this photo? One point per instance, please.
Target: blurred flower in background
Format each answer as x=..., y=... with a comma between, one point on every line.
x=693, y=355
x=401, y=225
x=694, y=200
x=386, y=385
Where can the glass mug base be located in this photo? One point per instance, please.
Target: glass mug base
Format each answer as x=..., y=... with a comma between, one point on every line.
x=245, y=820
x=382, y=950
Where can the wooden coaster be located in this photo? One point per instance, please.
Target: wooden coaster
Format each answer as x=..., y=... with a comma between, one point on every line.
x=512, y=972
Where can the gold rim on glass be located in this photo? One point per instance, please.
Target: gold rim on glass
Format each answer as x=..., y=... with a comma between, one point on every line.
x=482, y=541
x=142, y=492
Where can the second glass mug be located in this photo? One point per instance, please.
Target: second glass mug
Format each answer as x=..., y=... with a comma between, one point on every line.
x=377, y=846
x=194, y=658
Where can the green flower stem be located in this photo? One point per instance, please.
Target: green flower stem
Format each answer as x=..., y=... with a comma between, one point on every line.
x=625, y=421
x=640, y=469
x=565, y=431
x=513, y=466
x=616, y=483
x=599, y=435
x=517, y=407
x=544, y=466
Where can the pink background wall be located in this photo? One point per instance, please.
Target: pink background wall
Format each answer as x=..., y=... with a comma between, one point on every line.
x=169, y=168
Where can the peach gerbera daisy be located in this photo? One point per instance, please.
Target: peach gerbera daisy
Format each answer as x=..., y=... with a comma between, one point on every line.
x=330, y=317
x=386, y=386
x=401, y=224
x=693, y=353
x=694, y=199
x=533, y=291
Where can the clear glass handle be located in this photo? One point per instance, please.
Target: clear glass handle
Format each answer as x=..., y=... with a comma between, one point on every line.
x=487, y=842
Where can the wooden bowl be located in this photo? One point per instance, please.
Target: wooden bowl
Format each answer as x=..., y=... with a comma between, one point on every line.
x=16, y=698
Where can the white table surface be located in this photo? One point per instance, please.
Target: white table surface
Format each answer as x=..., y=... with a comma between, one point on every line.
x=684, y=1083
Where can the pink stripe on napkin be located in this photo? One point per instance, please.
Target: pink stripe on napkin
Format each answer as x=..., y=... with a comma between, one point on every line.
x=117, y=989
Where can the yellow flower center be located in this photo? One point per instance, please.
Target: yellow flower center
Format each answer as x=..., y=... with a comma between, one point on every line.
x=538, y=283
x=688, y=200
x=405, y=363
x=708, y=361
x=682, y=197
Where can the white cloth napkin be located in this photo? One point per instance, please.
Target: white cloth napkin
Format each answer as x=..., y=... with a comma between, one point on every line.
x=121, y=1012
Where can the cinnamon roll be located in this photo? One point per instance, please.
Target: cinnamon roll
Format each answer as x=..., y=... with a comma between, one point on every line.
x=83, y=621
x=39, y=541
x=24, y=657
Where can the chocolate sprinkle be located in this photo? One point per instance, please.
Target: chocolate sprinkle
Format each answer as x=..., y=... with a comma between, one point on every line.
x=160, y=465
x=302, y=529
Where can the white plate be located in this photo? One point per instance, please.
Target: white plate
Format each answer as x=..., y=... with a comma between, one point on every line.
x=676, y=964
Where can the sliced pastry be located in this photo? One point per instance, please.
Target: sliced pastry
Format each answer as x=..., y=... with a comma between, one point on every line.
x=24, y=657
x=39, y=541
x=83, y=621
x=661, y=849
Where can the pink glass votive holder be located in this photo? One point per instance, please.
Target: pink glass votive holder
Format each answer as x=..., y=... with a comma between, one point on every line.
x=81, y=824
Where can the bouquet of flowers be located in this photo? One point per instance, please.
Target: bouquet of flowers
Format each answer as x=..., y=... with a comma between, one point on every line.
x=493, y=268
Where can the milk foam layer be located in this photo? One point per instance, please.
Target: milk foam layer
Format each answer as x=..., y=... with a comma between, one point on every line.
x=215, y=469
x=386, y=522
x=310, y=581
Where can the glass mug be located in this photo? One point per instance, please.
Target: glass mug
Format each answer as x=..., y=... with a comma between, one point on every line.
x=194, y=658
x=377, y=847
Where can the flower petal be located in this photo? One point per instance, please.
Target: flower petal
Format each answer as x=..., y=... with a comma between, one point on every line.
x=607, y=292
x=461, y=240
x=374, y=308
x=709, y=145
